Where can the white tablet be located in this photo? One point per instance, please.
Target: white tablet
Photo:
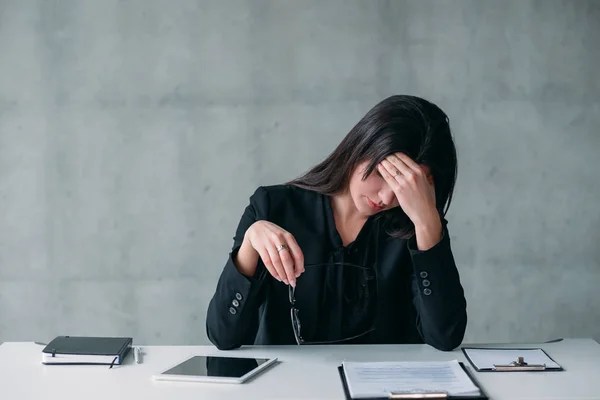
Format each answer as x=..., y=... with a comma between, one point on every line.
x=216, y=369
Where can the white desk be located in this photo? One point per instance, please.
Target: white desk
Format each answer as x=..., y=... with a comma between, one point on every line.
x=303, y=373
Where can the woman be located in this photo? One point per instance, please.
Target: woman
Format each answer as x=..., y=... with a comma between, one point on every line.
x=356, y=250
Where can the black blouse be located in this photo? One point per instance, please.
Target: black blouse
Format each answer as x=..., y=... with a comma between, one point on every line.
x=417, y=296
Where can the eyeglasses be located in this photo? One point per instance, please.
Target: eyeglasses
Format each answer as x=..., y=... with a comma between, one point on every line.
x=364, y=297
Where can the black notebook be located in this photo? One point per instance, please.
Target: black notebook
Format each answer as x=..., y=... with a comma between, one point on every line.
x=86, y=350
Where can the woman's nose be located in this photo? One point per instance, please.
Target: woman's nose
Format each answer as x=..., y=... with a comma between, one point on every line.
x=387, y=196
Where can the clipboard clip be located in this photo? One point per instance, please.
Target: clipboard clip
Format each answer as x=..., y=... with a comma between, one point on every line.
x=417, y=395
x=519, y=365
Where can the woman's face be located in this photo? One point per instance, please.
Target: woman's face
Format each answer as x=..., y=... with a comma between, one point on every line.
x=374, y=194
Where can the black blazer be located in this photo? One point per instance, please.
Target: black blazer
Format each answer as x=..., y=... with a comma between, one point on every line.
x=419, y=297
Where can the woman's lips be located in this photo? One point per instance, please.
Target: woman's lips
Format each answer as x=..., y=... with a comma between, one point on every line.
x=374, y=206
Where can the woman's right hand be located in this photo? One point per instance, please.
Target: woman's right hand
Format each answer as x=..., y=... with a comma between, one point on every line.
x=278, y=250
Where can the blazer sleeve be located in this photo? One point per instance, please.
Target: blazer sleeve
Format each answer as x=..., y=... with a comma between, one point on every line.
x=438, y=294
x=232, y=315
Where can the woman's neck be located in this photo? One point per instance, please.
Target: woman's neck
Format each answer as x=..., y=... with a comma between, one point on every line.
x=345, y=210
x=348, y=220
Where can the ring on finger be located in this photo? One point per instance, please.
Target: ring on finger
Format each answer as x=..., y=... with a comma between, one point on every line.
x=281, y=247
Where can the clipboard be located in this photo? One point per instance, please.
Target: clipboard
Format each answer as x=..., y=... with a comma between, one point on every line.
x=520, y=364
x=411, y=396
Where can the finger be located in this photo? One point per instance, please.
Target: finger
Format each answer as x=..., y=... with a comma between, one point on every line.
x=266, y=259
x=296, y=253
x=394, y=172
x=288, y=265
x=276, y=261
x=399, y=165
x=419, y=170
x=385, y=173
x=409, y=162
x=286, y=257
x=407, y=173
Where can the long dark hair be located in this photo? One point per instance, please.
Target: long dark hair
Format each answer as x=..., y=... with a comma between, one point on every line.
x=400, y=123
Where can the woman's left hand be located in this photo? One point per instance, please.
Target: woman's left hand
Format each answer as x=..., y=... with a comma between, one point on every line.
x=412, y=186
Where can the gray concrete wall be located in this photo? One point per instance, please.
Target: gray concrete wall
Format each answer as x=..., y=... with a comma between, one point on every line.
x=133, y=132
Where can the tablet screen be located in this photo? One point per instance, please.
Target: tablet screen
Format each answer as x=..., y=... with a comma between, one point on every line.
x=229, y=367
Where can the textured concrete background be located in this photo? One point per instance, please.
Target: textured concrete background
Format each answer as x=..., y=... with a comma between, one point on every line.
x=133, y=132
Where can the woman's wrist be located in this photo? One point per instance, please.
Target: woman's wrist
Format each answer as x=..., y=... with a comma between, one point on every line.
x=429, y=233
x=246, y=259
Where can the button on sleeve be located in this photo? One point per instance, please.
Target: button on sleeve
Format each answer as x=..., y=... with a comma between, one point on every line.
x=233, y=310
x=438, y=294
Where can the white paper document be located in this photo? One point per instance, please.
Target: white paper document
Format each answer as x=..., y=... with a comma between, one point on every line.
x=379, y=379
x=486, y=358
